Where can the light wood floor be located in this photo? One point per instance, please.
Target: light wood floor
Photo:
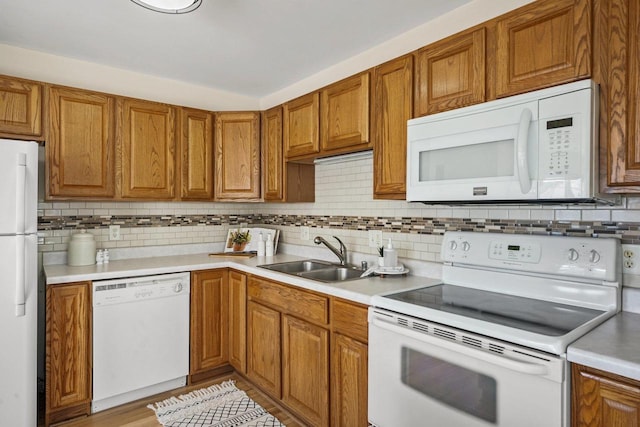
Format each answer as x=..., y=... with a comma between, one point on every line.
x=136, y=414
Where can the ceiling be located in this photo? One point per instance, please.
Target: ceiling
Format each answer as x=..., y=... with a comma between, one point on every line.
x=247, y=47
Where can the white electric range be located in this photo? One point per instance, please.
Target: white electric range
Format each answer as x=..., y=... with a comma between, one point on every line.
x=487, y=346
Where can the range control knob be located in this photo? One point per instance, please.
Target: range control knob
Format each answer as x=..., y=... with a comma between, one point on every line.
x=466, y=246
x=178, y=288
x=594, y=256
x=573, y=255
x=453, y=245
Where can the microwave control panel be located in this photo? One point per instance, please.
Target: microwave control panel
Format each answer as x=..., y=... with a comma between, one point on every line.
x=562, y=142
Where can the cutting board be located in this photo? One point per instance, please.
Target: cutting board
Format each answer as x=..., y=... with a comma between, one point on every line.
x=233, y=254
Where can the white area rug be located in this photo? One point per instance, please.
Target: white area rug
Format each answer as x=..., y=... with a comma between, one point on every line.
x=221, y=405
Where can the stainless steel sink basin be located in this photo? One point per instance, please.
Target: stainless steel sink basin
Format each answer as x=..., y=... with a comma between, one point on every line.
x=321, y=271
x=295, y=267
x=336, y=274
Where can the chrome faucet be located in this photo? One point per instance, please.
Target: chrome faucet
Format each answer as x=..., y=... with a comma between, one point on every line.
x=341, y=254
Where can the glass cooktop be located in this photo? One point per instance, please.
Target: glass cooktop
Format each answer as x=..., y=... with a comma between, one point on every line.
x=541, y=317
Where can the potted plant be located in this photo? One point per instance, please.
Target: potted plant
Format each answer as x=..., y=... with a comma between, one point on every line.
x=240, y=239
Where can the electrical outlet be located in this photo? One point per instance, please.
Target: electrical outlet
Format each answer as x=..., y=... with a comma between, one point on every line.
x=304, y=233
x=114, y=232
x=631, y=259
x=375, y=238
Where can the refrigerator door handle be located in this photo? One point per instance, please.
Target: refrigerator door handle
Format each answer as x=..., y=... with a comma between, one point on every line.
x=21, y=178
x=20, y=276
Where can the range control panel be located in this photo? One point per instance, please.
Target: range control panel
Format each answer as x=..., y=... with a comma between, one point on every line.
x=529, y=252
x=584, y=257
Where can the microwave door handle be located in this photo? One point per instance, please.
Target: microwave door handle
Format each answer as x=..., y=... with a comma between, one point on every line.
x=522, y=143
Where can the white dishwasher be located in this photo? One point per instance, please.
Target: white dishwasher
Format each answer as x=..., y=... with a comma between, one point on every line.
x=140, y=337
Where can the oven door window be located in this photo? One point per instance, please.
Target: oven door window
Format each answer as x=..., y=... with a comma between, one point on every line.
x=453, y=385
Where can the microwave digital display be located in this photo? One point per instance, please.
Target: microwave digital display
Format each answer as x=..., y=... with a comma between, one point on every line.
x=513, y=247
x=560, y=123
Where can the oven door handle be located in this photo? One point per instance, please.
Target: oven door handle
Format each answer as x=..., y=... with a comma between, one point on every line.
x=501, y=361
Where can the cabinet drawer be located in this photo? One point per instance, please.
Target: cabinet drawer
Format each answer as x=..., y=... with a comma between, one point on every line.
x=311, y=307
x=349, y=319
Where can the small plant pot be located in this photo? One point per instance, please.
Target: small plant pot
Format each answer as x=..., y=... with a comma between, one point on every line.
x=238, y=247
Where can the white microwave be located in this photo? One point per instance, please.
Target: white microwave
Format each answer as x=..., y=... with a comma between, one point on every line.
x=538, y=147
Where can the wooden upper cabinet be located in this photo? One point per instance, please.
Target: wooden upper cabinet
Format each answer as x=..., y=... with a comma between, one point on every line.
x=450, y=73
x=147, y=144
x=282, y=181
x=392, y=107
x=301, y=126
x=68, y=351
x=344, y=114
x=542, y=44
x=20, y=108
x=81, y=144
x=272, y=155
x=237, y=156
x=196, y=142
x=617, y=70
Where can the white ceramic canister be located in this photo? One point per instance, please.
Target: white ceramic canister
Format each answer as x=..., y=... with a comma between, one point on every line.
x=81, y=249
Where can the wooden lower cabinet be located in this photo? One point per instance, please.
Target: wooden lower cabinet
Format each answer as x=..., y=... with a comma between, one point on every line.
x=263, y=348
x=348, y=381
x=238, y=321
x=209, y=352
x=305, y=369
x=68, y=351
x=308, y=350
x=349, y=364
x=602, y=399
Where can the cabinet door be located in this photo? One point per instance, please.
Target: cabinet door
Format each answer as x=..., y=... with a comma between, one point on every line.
x=197, y=154
x=68, y=351
x=600, y=399
x=209, y=321
x=617, y=70
x=238, y=321
x=305, y=371
x=344, y=115
x=301, y=126
x=272, y=155
x=451, y=73
x=348, y=382
x=81, y=144
x=146, y=139
x=20, y=108
x=542, y=44
x=263, y=348
x=392, y=107
x=237, y=148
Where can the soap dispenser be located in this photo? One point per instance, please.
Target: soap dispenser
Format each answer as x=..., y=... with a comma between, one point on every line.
x=261, y=246
x=390, y=255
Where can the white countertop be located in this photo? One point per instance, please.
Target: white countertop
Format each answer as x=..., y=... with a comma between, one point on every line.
x=359, y=291
x=614, y=346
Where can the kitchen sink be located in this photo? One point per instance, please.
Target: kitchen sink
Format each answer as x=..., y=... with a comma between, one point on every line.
x=335, y=274
x=295, y=267
x=321, y=271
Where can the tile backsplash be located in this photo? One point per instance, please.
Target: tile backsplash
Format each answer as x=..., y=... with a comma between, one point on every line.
x=344, y=207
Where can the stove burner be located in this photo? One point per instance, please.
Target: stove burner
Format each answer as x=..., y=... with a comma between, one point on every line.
x=541, y=317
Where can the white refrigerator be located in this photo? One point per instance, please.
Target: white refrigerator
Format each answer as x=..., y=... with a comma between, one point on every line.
x=18, y=282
